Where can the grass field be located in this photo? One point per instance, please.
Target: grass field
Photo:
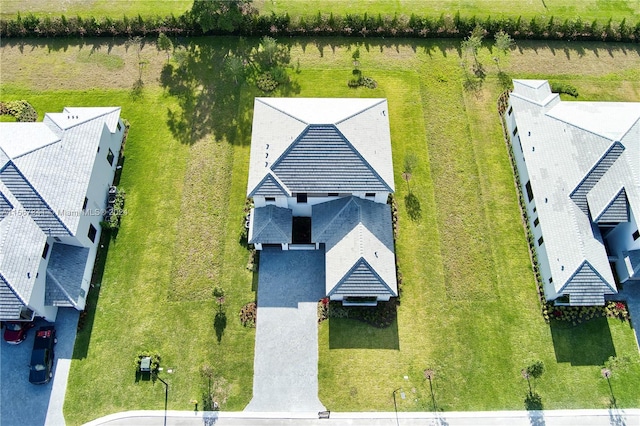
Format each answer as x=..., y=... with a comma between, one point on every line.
x=562, y=9
x=469, y=307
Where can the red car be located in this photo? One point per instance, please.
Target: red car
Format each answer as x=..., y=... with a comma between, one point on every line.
x=16, y=331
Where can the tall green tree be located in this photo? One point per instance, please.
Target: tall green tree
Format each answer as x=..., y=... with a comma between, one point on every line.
x=224, y=16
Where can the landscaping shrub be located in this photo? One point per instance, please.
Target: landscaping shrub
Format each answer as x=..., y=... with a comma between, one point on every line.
x=379, y=316
x=249, y=314
x=266, y=82
x=563, y=88
x=21, y=110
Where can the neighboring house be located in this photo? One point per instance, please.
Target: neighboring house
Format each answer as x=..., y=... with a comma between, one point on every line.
x=54, y=179
x=579, y=167
x=320, y=175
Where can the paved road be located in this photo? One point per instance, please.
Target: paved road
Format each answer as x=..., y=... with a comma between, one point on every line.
x=24, y=404
x=629, y=417
x=285, y=375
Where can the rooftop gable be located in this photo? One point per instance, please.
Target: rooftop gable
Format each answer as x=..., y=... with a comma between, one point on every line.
x=361, y=281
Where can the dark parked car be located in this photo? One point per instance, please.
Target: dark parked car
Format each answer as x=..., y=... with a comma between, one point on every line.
x=16, y=331
x=41, y=367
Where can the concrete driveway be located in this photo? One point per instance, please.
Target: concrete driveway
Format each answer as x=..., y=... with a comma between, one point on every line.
x=285, y=377
x=22, y=403
x=631, y=294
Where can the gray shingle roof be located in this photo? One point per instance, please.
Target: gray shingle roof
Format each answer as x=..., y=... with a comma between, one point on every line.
x=10, y=303
x=586, y=287
x=5, y=206
x=269, y=187
x=356, y=230
x=32, y=202
x=321, y=159
x=617, y=210
x=64, y=275
x=45, y=169
x=579, y=156
x=361, y=281
x=362, y=123
x=271, y=225
x=579, y=194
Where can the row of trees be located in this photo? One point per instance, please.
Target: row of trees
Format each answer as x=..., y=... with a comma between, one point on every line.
x=239, y=17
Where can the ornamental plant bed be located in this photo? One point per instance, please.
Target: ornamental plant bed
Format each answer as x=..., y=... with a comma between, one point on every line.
x=579, y=314
x=379, y=316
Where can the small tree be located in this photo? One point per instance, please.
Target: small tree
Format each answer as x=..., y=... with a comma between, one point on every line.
x=473, y=43
x=165, y=44
x=410, y=162
x=535, y=370
x=503, y=43
x=235, y=66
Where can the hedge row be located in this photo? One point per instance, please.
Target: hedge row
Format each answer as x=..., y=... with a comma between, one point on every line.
x=449, y=26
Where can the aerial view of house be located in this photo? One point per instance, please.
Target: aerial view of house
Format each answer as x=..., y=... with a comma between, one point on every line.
x=578, y=164
x=55, y=177
x=365, y=212
x=320, y=175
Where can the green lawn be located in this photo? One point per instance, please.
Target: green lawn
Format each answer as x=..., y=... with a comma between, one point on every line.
x=563, y=9
x=469, y=307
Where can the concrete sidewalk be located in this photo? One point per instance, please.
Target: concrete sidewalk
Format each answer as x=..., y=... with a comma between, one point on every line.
x=629, y=417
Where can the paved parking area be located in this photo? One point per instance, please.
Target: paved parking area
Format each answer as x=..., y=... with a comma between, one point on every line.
x=631, y=294
x=22, y=403
x=285, y=375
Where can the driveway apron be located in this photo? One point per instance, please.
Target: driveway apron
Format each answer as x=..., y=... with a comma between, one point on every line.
x=285, y=375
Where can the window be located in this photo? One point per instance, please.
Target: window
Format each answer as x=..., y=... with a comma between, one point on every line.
x=370, y=194
x=92, y=233
x=301, y=197
x=510, y=111
x=270, y=199
x=540, y=241
x=98, y=148
x=515, y=131
x=119, y=126
x=636, y=235
x=332, y=194
x=529, y=191
x=84, y=205
x=536, y=222
x=110, y=157
x=45, y=251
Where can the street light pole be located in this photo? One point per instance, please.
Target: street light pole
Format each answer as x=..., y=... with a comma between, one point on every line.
x=395, y=405
x=166, y=396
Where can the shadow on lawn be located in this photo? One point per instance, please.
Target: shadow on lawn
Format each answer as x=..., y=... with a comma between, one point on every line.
x=589, y=343
x=347, y=333
x=209, y=92
x=85, y=322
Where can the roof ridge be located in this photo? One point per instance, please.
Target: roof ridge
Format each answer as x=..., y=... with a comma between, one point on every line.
x=360, y=112
x=371, y=168
x=37, y=148
x=284, y=112
x=88, y=120
x=55, y=215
